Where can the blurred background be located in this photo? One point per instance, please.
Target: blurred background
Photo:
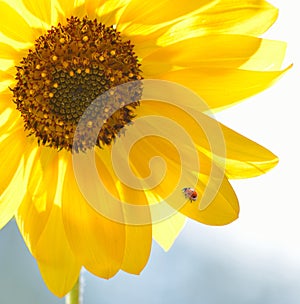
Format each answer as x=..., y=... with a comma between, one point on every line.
x=254, y=260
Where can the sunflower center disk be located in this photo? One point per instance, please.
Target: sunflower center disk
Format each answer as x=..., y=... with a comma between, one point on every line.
x=71, y=67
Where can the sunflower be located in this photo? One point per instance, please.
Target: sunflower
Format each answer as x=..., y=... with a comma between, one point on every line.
x=58, y=56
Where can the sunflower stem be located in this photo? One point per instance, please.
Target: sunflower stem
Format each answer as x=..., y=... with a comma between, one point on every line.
x=74, y=296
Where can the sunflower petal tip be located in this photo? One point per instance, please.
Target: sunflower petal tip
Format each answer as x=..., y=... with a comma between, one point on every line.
x=167, y=248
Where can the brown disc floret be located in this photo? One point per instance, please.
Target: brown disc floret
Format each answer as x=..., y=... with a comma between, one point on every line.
x=68, y=69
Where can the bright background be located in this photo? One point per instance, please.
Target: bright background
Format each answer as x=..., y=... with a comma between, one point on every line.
x=255, y=260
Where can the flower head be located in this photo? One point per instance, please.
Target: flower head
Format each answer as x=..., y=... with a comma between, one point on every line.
x=58, y=58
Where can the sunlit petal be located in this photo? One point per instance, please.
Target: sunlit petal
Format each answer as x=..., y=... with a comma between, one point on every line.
x=41, y=9
x=58, y=264
x=221, y=211
x=251, y=17
x=205, y=52
x=166, y=232
x=138, y=237
x=14, y=193
x=221, y=87
x=149, y=12
x=244, y=157
x=12, y=22
x=98, y=242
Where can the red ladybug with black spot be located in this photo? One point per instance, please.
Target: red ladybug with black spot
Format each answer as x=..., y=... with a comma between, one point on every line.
x=190, y=193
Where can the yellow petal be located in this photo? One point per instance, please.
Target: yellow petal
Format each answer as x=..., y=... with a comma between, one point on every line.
x=33, y=214
x=216, y=51
x=101, y=8
x=269, y=56
x=138, y=237
x=6, y=75
x=167, y=161
x=179, y=174
x=173, y=124
x=137, y=249
x=67, y=6
x=248, y=17
x=9, y=200
x=244, y=157
x=192, y=123
x=10, y=121
x=98, y=242
x=13, y=25
x=91, y=5
x=5, y=84
x=166, y=232
x=8, y=52
x=11, y=149
x=13, y=194
x=207, y=51
x=143, y=47
x=143, y=38
x=238, y=155
x=149, y=12
x=41, y=9
x=158, y=163
x=6, y=103
x=68, y=10
x=221, y=211
x=251, y=17
x=6, y=64
x=220, y=88
x=40, y=222
x=4, y=122
x=58, y=265
x=107, y=12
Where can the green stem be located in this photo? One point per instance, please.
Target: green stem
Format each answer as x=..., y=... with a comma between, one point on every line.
x=74, y=296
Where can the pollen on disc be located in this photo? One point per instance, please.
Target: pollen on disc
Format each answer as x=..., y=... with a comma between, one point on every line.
x=59, y=80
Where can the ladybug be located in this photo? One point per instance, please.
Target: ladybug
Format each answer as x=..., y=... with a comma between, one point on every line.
x=190, y=193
